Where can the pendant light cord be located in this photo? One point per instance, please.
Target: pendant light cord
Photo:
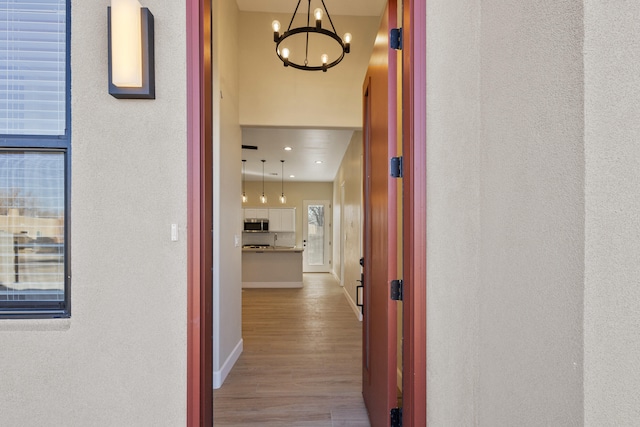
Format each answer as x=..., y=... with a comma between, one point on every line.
x=283, y=199
x=263, y=180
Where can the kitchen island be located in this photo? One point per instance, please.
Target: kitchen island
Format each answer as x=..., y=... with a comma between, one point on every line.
x=271, y=267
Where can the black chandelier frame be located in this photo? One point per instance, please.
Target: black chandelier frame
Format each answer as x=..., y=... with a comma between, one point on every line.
x=278, y=39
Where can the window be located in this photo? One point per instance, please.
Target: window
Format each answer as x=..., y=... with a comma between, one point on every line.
x=34, y=158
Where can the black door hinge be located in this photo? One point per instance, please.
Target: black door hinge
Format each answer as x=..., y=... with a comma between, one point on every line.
x=395, y=38
x=396, y=417
x=397, y=288
x=396, y=167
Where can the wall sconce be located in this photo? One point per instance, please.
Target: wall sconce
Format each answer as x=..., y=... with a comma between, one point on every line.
x=131, y=51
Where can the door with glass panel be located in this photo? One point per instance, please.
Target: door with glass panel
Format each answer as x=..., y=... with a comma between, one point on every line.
x=316, y=236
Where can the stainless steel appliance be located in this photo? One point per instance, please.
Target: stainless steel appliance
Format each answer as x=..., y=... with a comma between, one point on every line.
x=256, y=225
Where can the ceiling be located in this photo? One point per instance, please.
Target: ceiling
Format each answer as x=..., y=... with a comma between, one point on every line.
x=308, y=145
x=335, y=7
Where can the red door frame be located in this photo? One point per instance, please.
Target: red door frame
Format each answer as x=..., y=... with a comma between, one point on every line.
x=199, y=216
x=414, y=114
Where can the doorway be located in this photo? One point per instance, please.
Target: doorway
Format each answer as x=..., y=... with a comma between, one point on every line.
x=316, y=236
x=414, y=236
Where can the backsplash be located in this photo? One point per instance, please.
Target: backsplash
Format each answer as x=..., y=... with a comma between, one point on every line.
x=284, y=239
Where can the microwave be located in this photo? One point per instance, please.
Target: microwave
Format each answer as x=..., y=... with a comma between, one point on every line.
x=256, y=225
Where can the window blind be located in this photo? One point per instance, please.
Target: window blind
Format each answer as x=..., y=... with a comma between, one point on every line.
x=32, y=67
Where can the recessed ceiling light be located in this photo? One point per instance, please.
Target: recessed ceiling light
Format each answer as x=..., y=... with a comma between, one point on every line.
x=288, y=148
x=292, y=176
x=318, y=162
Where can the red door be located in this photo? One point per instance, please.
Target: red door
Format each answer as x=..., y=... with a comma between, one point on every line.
x=380, y=234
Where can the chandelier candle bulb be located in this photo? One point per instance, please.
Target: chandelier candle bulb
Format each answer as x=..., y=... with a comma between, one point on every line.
x=318, y=15
x=347, y=42
x=276, y=30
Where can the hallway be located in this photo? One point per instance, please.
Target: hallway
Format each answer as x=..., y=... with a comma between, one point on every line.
x=301, y=364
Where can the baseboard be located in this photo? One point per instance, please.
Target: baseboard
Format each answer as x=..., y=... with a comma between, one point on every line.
x=271, y=284
x=335, y=276
x=221, y=375
x=353, y=305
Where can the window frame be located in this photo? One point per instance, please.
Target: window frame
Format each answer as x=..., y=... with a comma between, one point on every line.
x=58, y=144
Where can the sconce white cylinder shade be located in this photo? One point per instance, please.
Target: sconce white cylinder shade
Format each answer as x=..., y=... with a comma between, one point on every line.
x=126, y=43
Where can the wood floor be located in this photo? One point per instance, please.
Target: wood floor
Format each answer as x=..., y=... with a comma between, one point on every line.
x=301, y=364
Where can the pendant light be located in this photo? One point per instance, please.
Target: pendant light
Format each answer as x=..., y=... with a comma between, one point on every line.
x=263, y=198
x=244, y=194
x=283, y=198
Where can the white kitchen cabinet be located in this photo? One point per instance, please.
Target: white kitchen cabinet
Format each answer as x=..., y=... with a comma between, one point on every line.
x=252, y=213
x=282, y=220
x=275, y=220
x=289, y=220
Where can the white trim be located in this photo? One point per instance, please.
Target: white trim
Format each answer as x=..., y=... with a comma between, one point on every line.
x=271, y=284
x=221, y=375
x=335, y=276
x=353, y=305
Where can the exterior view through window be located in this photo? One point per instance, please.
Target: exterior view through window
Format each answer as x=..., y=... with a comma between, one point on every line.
x=315, y=244
x=34, y=158
x=316, y=236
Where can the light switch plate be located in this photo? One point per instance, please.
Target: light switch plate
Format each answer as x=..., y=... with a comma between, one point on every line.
x=237, y=240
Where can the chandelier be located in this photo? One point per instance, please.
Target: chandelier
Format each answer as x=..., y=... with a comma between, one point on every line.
x=327, y=47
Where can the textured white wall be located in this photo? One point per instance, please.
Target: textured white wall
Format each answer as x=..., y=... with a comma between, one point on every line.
x=453, y=191
x=227, y=214
x=612, y=150
x=272, y=95
x=505, y=212
x=532, y=213
x=121, y=358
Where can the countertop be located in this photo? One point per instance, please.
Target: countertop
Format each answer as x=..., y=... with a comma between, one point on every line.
x=274, y=249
